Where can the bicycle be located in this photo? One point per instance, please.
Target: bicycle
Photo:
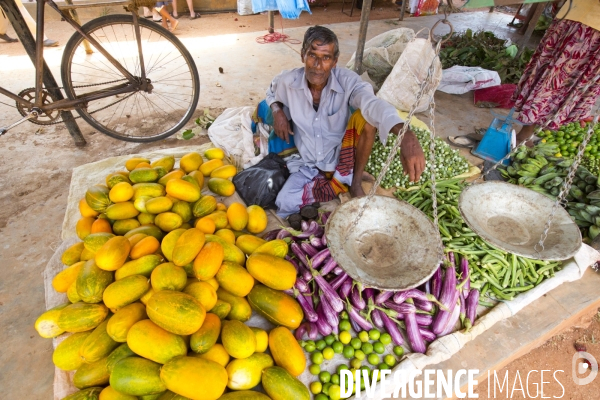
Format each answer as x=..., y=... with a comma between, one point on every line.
x=139, y=85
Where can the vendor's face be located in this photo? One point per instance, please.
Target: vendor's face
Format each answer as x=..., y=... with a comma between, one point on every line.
x=318, y=61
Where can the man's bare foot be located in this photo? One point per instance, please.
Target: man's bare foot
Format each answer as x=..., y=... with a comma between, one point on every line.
x=367, y=177
x=356, y=190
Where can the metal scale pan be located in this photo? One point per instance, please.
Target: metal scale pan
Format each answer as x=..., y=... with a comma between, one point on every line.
x=394, y=246
x=512, y=218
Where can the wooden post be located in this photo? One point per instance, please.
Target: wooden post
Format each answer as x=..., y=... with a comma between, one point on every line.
x=86, y=44
x=532, y=23
x=271, y=15
x=362, y=35
x=26, y=38
x=403, y=10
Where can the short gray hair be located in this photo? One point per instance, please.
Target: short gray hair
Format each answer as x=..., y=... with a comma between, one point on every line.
x=321, y=35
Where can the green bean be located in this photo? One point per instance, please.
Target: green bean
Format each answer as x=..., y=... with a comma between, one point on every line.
x=519, y=288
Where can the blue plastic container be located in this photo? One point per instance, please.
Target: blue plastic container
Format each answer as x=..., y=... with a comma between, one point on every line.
x=496, y=142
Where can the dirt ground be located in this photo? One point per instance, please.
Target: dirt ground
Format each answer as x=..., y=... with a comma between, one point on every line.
x=555, y=357
x=36, y=164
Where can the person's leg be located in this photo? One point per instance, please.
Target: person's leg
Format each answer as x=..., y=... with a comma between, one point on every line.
x=293, y=195
x=525, y=133
x=167, y=17
x=147, y=13
x=363, y=151
x=4, y=28
x=193, y=14
x=33, y=25
x=175, y=14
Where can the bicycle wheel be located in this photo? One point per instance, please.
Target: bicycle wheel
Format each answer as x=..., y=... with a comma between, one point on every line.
x=137, y=116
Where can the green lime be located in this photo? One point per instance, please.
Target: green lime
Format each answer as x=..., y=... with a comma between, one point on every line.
x=345, y=325
x=328, y=353
x=321, y=344
x=367, y=348
x=385, y=338
x=363, y=336
x=316, y=387
x=355, y=363
x=360, y=354
x=335, y=392
x=383, y=366
x=378, y=348
x=344, y=315
x=310, y=347
x=317, y=357
x=325, y=389
x=329, y=339
x=399, y=351
x=335, y=379
x=340, y=368
x=345, y=337
x=314, y=369
x=324, y=376
x=373, y=359
x=337, y=347
x=389, y=360
x=321, y=396
x=366, y=368
x=356, y=343
x=374, y=334
x=348, y=352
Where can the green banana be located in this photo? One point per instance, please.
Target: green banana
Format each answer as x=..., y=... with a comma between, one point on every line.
x=526, y=173
x=595, y=195
x=545, y=178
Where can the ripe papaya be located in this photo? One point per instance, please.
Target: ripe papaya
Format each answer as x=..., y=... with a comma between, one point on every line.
x=72, y=254
x=66, y=355
x=238, y=339
x=276, y=306
x=122, y=191
x=274, y=272
x=244, y=374
x=119, y=324
x=237, y=215
x=92, y=281
x=81, y=317
x=205, y=206
x=182, y=190
x=176, y=312
x=188, y=246
x=280, y=385
x=141, y=266
x=112, y=255
x=194, y=377
x=257, y=219
x=286, y=351
x=98, y=345
x=150, y=341
x=125, y=291
x=190, y=162
x=168, y=276
x=137, y=376
x=47, y=324
x=204, y=338
x=235, y=279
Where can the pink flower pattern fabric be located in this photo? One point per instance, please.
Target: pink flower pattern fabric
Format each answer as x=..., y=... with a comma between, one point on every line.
x=562, y=81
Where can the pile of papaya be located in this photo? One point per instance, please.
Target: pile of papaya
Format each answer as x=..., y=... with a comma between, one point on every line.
x=162, y=285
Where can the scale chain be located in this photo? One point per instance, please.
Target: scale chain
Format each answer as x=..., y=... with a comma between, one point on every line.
x=561, y=199
x=432, y=170
x=394, y=150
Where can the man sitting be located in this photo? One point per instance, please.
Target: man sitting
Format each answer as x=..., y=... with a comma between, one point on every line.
x=333, y=143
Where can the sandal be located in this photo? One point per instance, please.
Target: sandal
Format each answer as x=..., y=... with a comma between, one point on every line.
x=196, y=16
x=173, y=27
x=462, y=141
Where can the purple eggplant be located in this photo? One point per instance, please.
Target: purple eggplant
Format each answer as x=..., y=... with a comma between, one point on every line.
x=451, y=322
x=329, y=313
x=301, y=285
x=427, y=335
x=307, y=306
x=271, y=235
x=304, y=225
x=356, y=299
x=415, y=339
x=446, y=297
x=377, y=319
x=424, y=319
x=383, y=296
x=400, y=297
x=427, y=287
x=329, y=266
x=355, y=327
x=466, y=279
x=300, y=254
x=325, y=217
x=324, y=240
x=318, y=259
x=392, y=329
x=308, y=249
x=423, y=305
x=323, y=327
x=301, y=331
x=316, y=242
x=362, y=322
x=451, y=259
x=313, y=331
x=338, y=280
x=403, y=308
x=471, y=309
x=294, y=262
x=334, y=299
x=283, y=234
x=442, y=317
x=313, y=230
x=436, y=283
x=338, y=271
x=345, y=289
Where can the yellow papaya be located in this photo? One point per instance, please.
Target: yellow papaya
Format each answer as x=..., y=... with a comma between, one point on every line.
x=208, y=261
x=286, y=351
x=176, y=312
x=66, y=277
x=274, y=272
x=167, y=162
x=125, y=210
x=72, y=254
x=168, y=276
x=119, y=324
x=222, y=187
x=47, y=324
x=224, y=172
x=204, y=338
x=235, y=279
x=188, y=246
x=249, y=243
x=122, y=191
x=246, y=373
x=150, y=341
x=182, y=190
x=257, y=219
x=112, y=255
x=125, y=291
x=190, y=162
x=237, y=215
x=193, y=377
x=214, y=153
x=210, y=166
x=238, y=339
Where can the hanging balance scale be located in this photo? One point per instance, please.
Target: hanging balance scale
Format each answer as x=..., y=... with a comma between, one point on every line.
x=383, y=242
x=523, y=221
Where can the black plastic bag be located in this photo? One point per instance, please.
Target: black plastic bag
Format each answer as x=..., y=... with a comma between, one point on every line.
x=261, y=183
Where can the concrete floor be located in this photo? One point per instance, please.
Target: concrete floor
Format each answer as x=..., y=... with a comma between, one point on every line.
x=37, y=164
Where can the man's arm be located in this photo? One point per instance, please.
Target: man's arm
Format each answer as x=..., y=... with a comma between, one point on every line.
x=281, y=125
x=384, y=116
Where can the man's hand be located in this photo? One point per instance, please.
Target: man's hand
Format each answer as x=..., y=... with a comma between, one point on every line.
x=411, y=155
x=281, y=125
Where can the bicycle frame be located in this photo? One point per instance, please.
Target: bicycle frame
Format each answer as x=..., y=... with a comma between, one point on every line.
x=133, y=85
